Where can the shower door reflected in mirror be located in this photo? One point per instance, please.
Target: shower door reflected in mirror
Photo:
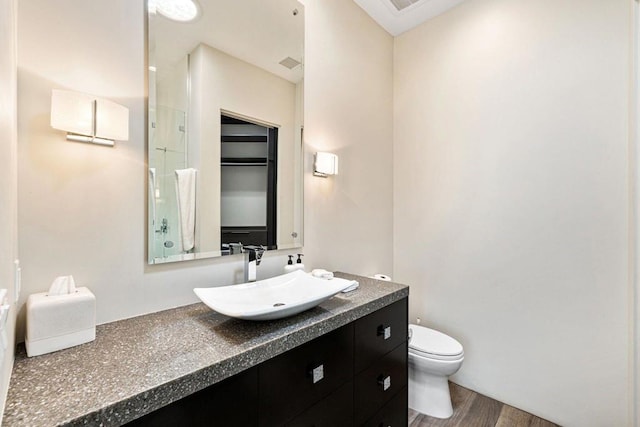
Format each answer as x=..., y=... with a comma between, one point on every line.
x=167, y=140
x=225, y=129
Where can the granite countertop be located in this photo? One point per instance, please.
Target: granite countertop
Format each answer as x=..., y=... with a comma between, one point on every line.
x=138, y=365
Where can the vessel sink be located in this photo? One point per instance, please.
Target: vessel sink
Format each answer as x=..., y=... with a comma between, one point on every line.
x=274, y=298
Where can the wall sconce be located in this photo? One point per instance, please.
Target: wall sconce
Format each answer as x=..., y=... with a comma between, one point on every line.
x=325, y=164
x=86, y=118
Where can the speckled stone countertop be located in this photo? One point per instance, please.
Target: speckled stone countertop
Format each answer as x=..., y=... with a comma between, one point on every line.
x=138, y=365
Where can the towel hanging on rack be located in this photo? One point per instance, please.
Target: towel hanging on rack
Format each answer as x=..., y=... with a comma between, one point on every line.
x=186, y=197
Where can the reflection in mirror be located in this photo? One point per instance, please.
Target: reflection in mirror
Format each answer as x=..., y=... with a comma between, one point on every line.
x=225, y=129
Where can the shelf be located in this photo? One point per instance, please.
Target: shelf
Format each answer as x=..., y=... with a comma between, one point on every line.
x=243, y=138
x=244, y=161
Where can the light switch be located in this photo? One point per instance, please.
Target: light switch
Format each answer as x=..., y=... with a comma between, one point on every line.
x=4, y=315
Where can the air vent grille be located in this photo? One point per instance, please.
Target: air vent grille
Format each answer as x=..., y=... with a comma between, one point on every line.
x=290, y=63
x=403, y=4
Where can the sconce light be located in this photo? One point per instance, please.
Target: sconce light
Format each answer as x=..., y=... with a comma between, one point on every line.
x=86, y=118
x=325, y=164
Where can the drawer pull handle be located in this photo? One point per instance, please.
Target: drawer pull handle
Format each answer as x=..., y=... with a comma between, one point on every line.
x=385, y=382
x=384, y=331
x=317, y=373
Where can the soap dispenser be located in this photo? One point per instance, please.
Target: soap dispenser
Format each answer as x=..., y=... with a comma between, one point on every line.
x=290, y=267
x=299, y=265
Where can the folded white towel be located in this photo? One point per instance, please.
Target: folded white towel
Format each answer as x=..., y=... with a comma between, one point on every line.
x=353, y=287
x=322, y=274
x=186, y=196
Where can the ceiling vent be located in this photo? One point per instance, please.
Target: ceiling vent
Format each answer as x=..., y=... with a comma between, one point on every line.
x=403, y=4
x=290, y=63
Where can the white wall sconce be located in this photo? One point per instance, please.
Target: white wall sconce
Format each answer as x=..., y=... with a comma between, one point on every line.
x=87, y=118
x=325, y=164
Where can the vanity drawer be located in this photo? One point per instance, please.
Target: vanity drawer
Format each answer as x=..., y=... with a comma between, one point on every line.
x=376, y=385
x=393, y=414
x=334, y=410
x=294, y=381
x=380, y=332
x=215, y=405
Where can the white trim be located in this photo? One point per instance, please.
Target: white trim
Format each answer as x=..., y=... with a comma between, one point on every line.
x=634, y=226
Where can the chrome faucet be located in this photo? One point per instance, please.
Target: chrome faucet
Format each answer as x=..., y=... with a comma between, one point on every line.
x=252, y=258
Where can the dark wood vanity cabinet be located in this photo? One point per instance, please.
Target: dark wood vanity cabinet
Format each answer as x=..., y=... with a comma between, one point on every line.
x=295, y=381
x=353, y=376
x=230, y=403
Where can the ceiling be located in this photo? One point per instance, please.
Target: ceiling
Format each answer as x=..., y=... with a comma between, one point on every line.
x=414, y=13
x=260, y=32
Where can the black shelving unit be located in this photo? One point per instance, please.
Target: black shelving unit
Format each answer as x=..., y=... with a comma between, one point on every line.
x=249, y=234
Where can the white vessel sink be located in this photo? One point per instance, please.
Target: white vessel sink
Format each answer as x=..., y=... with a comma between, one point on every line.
x=274, y=298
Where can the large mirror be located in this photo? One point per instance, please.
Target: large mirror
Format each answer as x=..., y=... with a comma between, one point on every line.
x=225, y=127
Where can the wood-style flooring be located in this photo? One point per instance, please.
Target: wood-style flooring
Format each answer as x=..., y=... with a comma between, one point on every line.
x=471, y=409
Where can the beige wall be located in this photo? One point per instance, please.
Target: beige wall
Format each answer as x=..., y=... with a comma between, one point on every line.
x=509, y=185
x=8, y=182
x=511, y=198
x=219, y=83
x=82, y=207
x=348, y=111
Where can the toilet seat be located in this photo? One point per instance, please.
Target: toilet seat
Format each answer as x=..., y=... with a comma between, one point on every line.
x=433, y=344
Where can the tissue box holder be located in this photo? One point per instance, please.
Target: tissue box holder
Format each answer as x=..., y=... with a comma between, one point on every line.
x=56, y=322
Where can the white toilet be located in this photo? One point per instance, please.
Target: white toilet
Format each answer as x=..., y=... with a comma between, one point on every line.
x=433, y=357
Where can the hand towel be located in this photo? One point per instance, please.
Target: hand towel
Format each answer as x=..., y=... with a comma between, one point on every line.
x=353, y=287
x=186, y=196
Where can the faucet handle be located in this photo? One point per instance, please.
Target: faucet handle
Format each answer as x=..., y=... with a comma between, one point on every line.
x=255, y=250
x=236, y=248
x=259, y=250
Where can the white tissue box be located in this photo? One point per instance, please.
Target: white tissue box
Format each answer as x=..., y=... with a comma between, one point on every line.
x=55, y=322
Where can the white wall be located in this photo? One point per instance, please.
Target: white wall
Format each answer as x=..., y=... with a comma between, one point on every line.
x=511, y=198
x=8, y=182
x=222, y=82
x=82, y=207
x=348, y=111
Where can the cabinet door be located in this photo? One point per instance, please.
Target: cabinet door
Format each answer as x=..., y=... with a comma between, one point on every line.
x=294, y=381
x=393, y=414
x=231, y=403
x=380, y=332
x=375, y=386
x=332, y=411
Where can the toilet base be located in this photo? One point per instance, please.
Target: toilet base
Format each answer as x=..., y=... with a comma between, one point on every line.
x=429, y=394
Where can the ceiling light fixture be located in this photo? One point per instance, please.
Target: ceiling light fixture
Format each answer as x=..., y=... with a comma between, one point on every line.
x=177, y=10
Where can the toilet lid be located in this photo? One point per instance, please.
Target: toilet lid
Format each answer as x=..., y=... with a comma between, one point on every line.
x=430, y=341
